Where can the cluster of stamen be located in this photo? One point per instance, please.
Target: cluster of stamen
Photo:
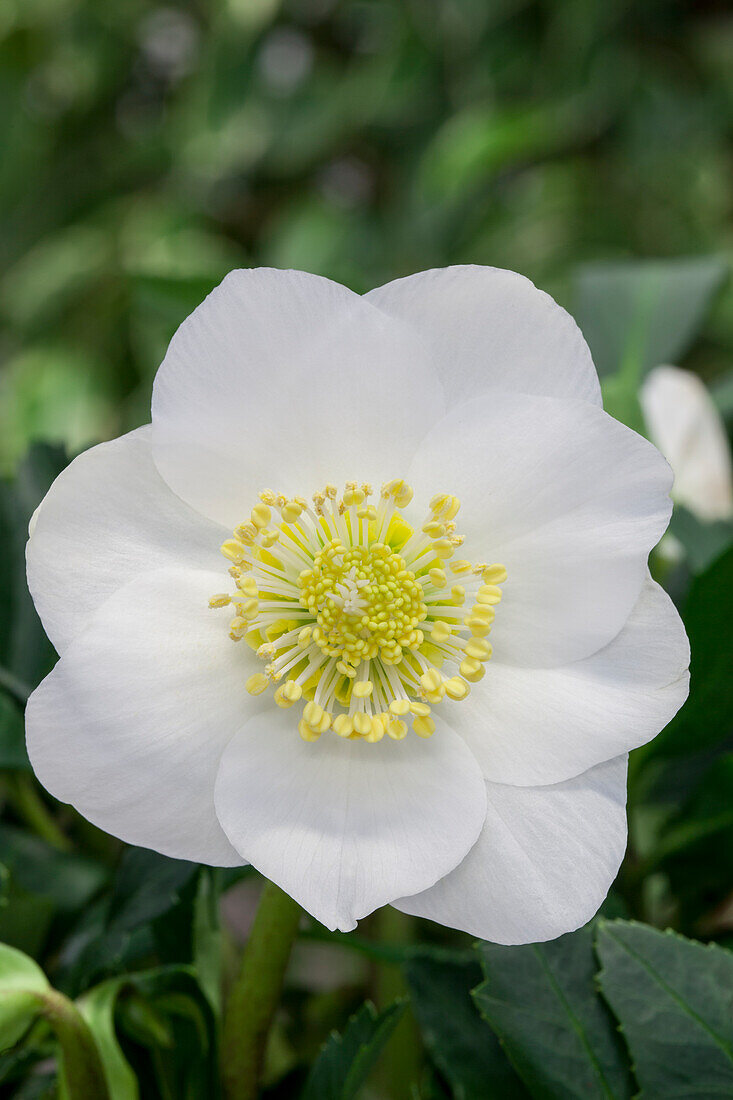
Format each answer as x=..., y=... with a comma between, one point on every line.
x=353, y=612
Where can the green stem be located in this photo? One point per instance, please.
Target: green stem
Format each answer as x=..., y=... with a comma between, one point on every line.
x=400, y=1065
x=29, y=805
x=82, y=1066
x=255, y=994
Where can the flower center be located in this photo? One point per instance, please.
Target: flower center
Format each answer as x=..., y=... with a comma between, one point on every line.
x=353, y=611
x=367, y=604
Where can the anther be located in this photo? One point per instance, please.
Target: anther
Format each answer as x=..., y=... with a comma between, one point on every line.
x=494, y=574
x=233, y=549
x=423, y=727
x=220, y=600
x=257, y=683
x=260, y=515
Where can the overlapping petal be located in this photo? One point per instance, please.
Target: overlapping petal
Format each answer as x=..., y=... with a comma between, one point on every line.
x=344, y=826
x=106, y=519
x=543, y=864
x=544, y=725
x=131, y=724
x=489, y=328
x=568, y=499
x=286, y=380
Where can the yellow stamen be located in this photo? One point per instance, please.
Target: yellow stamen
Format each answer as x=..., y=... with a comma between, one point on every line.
x=346, y=604
x=257, y=683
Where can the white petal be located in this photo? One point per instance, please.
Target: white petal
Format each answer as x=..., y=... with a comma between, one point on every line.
x=685, y=425
x=107, y=518
x=568, y=499
x=543, y=863
x=544, y=725
x=130, y=725
x=489, y=329
x=287, y=381
x=343, y=826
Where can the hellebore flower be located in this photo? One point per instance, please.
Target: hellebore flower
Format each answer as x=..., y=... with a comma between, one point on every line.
x=686, y=426
x=326, y=709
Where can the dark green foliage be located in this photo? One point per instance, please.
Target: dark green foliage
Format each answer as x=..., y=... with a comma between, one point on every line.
x=467, y=1053
x=674, y=1002
x=347, y=1059
x=542, y=1002
x=606, y=1011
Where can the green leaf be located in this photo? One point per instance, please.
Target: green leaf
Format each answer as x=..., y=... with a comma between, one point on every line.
x=461, y=1044
x=621, y=400
x=98, y=1009
x=638, y=314
x=706, y=817
x=721, y=392
x=189, y=1070
x=21, y=982
x=26, y=655
x=51, y=392
x=674, y=1000
x=13, y=754
x=25, y=919
x=707, y=716
x=694, y=846
x=147, y=885
x=702, y=541
x=541, y=1001
x=165, y=1010
x=117, y=931
x=346, y=1060
x=207, y=941
x=479, y=141
x=68, y=880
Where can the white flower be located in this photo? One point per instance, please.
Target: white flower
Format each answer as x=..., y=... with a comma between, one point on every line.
x=684, y=423
x=307, y=752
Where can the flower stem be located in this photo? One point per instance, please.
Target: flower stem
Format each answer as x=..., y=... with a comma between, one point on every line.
x=400, y=1065
x=256, y=992
x=82, y=1066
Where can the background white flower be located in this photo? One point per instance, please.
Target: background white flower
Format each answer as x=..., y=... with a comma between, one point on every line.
x=688, y=429
x=509, y=821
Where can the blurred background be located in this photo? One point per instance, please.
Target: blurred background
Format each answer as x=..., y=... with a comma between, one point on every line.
x=145, y=150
